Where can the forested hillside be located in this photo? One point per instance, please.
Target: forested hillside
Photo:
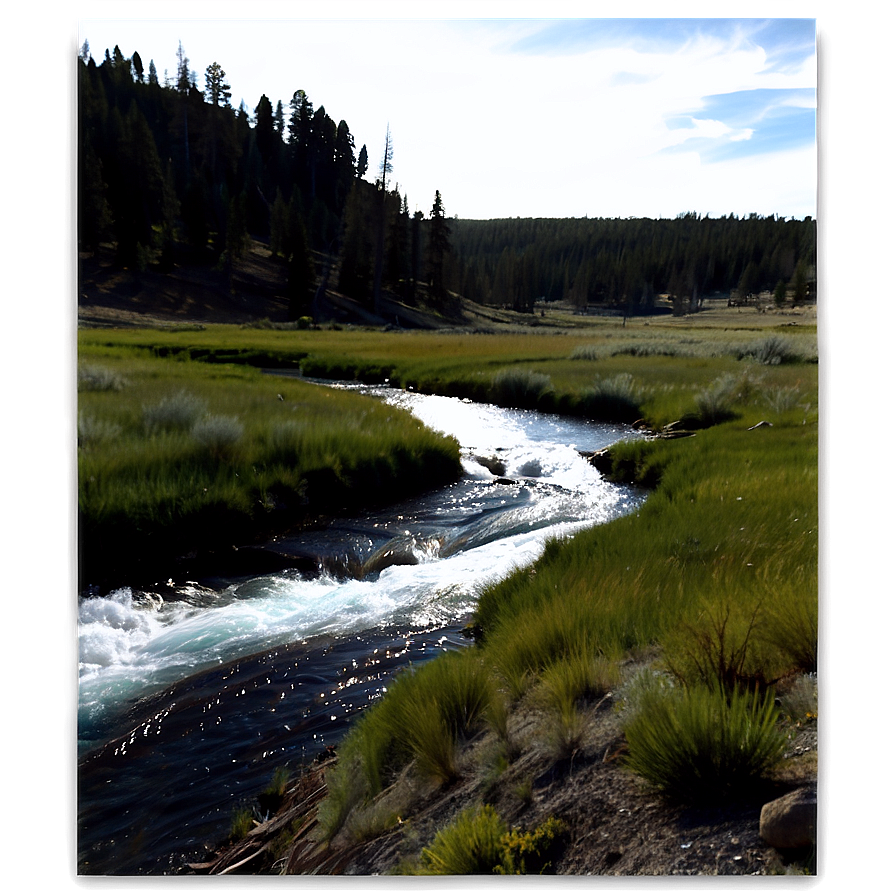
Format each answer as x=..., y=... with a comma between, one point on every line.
x=171, y=174
x=628, y=263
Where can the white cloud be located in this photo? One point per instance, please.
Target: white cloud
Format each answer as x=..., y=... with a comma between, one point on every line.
x=498, y=133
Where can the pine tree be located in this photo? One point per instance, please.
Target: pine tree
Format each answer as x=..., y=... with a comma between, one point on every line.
x=438, y=247
x=362, y=161
x=182, y=82
x=137, y=66
x=217, y=90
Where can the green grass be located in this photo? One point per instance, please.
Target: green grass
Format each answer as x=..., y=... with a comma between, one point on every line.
x=704, y=744
x=478, y=841
x=184, y=455
x=717, y=571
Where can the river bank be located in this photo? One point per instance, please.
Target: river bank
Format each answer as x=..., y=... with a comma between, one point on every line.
x=732, y=522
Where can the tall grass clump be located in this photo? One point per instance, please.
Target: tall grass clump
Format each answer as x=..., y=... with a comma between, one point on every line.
x=217, y=433
x=791, y=622
x=177, y=412
x=772, y=349
x=96, y=378
x=591, y=352
x=472, y=844
x=715, y=403
x=519, y=388
x=703, y=744
x=562, y=690
x=95, y=431
x=613, y=399
x=443, y=705
x=425, y=716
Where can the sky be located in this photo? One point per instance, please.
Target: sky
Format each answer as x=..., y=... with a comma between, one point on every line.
x=524, y=116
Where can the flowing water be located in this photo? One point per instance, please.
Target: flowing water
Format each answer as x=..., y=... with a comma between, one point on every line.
x=190, y=697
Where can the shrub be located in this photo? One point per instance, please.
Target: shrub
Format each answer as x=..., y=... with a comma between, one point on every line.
x=217, y=434
x=174, y=412
x=519, y=388
x=93, y=378
x=589, y=352
x=715, y=402
x=701, y=744
x=470, y=845
x=782, y=398
x=800, y=701
x=770, y=350
x=615, y=399
x=720, y=647
x=478, y=842
x=93, y=431
x=532, y=852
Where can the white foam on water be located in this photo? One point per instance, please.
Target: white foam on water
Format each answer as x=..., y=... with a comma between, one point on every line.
x=129, y=646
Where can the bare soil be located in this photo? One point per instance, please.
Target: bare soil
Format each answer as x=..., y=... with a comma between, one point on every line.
x=616, y=825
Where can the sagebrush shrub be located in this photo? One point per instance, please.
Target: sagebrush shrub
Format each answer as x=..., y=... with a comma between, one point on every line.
x=715, y=403
x=217, y=434
x=589, y=352
x=94, y=378
x=174, y=412
x=772, y=349
x=93, y=431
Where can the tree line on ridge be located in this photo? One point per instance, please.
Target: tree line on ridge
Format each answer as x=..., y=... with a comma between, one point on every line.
x=171, y=172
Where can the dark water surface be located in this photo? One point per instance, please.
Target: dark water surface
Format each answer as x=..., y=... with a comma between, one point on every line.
x=189, y=699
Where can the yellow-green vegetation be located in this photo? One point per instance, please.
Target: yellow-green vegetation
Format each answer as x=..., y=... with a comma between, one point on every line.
x=478, y=841
x=555, y=370
x=716, y=573
x=718, y=570
x=178, y=455
x=704, y=742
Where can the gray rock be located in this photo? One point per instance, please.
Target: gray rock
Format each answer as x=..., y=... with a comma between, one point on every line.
x=790, y=822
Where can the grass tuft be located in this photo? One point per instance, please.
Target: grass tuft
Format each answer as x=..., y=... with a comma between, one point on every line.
x=95, y=378
x=177, y=412
x=519, y=388
x=703, y=745
x=470, y=845
x=613, y=399
x=217, y=434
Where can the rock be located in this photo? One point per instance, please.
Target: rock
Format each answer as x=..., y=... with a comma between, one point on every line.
x=790, y=822
x=602, y=461
x=493, y=464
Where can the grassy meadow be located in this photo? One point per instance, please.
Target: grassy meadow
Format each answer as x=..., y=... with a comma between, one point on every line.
x=180, y=456
x=715, y=577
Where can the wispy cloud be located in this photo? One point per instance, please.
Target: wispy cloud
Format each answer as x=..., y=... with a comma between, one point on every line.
x=540, y=117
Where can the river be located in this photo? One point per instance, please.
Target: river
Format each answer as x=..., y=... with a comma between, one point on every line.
x=190, y=697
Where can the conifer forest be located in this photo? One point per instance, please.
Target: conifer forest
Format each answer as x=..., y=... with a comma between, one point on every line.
x=170, y=172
